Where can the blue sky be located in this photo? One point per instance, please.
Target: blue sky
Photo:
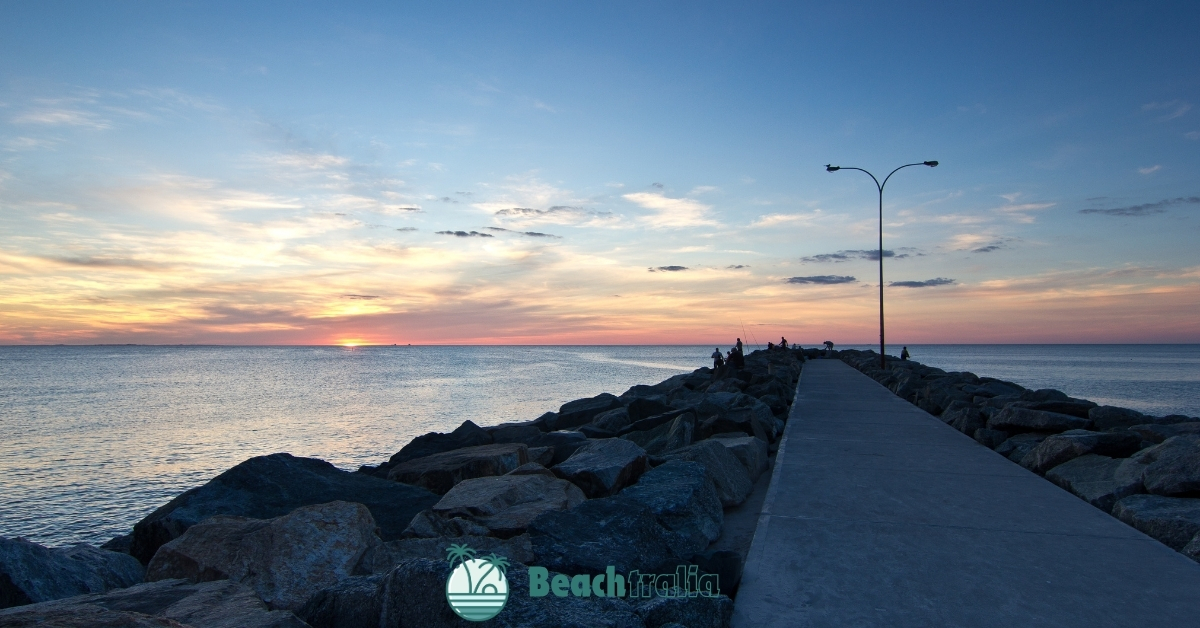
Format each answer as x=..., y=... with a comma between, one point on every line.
x=279, y=173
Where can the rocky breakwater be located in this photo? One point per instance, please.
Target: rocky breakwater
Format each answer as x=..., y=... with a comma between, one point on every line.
x=1144, y=470
x=610, y=484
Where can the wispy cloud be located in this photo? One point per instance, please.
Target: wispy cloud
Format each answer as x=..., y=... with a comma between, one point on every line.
x=859, y=254
x=1022, y=212
x=1144, y=209
x=1173, y=108
x=775, y=220
x=1192, y=135
x=667, y=269
x=1150, y=169
x=556, y=215
x=63, y=117
x=928, y=283
x=466, y=234
x=532, y=234
x=671, y=212
x=822, y=279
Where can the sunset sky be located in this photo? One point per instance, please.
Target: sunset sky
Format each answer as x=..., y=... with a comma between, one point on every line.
x=616, y=173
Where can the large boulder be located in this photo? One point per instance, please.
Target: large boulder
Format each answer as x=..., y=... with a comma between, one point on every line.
x=352, y=602
x=581, y=411
x=1173, y=467
x=684, y=501
x=383, y=558
x=692, y=612
x=750, y=451
x=1157, y=433
x=1074, y=407
x=168, y=603
x=603, y=467
x=613, y=420
x=1015, y=419
x=504, y=505
x=440, y=472
x=274, y=485
x=31, y=573
x=613, y=531
x=1110, y=417
x=643, y=407
x=1061, y=448
x=513, y=433
x=285, y=560
x=1192, y=549
x=666, y=437
x=1171, y=520
x=1016, y=446
x=729, y=476
x=1094, y=479
x=743, y=420
x=964, y=417
x=466, y=435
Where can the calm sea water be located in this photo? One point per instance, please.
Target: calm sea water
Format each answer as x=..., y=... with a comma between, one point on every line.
x=94, y=438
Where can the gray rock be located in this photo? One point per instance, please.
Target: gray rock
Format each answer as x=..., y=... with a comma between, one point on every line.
x=440, y=472
x=684, y=501
x=32, y=573
x=532, y=468
x=1192, y=549
x=271, y=486
x=428, y=525
x=1018, y=445
x=591, y=431
x=542, y=456
x=742, y=420
x=693, y=612
x=964, y=417
x=506, y=504
x=588, y=538
x=581, y=411
x=1157, y=433
x=990, y=438
x=750, y=451
x=285, y=560
x=666, y=437
x=1171, y=520
x=564, y=443
x=1094, y=479
x=1014, y=419
x=993, y=388
x=383, y=558
x=614, y=420
x=603, y=467
x=175, y=603
x=778, y=405
x=1076, y=408
x=730, y=477
x=652, y=422
x=466, y=435
x=352, y=602
x=1110, y=417
x=643, y=407
x=1061, y=448
x=513, y=433
x=1173, y=467
x=725, y=564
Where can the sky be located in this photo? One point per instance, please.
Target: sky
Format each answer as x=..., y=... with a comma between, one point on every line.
x=598, y=173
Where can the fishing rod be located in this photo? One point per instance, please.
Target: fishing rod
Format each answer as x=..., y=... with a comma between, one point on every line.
x=756, y=345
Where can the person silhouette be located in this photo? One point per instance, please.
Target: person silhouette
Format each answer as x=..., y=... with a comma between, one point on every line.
x=904, y=353
x=718, y=361
x=739, y=345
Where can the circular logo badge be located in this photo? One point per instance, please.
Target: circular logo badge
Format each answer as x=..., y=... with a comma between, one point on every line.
x=477, y=588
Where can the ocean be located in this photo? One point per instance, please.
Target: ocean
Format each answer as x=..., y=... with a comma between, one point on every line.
x=97, y=437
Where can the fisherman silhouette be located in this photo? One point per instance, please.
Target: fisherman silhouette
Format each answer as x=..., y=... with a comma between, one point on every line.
x=904, y=353
x=718, y=361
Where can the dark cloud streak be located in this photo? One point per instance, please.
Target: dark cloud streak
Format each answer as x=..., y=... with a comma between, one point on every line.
x=824, y=280
x=1145, y=209
x=928, y=283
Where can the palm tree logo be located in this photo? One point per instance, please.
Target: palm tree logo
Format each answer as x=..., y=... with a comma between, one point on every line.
x=477, y=588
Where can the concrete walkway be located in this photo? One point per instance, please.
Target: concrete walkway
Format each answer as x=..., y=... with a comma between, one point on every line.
x=879, y=514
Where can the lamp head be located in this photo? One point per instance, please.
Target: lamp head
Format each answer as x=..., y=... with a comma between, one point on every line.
x=829, y=168
x=931, y=164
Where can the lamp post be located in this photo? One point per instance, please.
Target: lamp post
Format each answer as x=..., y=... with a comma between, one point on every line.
x=829, y=168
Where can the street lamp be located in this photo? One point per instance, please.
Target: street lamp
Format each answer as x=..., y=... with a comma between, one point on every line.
x=829, y=168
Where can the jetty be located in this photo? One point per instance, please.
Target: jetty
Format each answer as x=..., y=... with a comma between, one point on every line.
x=880, y=514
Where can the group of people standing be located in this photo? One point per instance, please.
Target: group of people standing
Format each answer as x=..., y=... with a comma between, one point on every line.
x=736, y=358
